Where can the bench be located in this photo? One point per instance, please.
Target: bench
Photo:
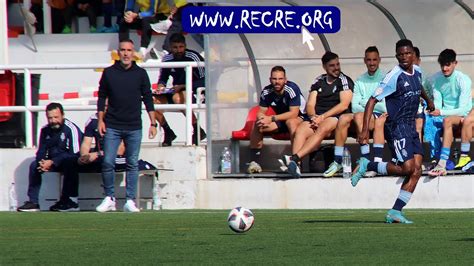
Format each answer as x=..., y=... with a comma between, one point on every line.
x=245, y=132
x=142, y=173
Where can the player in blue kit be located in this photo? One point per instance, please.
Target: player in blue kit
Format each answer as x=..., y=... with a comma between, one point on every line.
x=286, y=99
x=401, y=88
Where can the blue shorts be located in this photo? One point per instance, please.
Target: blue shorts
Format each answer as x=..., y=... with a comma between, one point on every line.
x=403, y=141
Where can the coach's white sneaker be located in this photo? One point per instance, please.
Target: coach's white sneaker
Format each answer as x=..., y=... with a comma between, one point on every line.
x=108, y=204
x=130, y=206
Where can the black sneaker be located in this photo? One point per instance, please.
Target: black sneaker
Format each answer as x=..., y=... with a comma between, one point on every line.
x=202, y=134
x=55, y=207
x=169, y=137
x=29, y=207
x=431, y=165
x=69, y=206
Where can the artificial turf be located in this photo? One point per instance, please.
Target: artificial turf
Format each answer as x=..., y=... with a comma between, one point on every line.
x=440, y=237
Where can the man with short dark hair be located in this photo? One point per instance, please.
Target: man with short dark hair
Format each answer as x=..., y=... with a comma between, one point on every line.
x=453, y=102
x=329, y=98
x=364, y=87
x=176, y=94
x=401, y=88
x=58, y=150
x=288, y=103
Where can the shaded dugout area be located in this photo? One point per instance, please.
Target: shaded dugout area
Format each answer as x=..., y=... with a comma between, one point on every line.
x=239, y=64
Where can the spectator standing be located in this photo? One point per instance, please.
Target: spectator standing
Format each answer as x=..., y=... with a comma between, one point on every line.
x=176, y=94
x=286, y=99
x=58, y=150
x=124, y=85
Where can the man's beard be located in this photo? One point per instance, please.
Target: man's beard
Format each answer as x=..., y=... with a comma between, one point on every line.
x=55, y=125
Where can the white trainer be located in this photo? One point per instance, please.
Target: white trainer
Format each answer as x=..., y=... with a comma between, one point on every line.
x=108, y=204
x=130, y=206
x=254, y=167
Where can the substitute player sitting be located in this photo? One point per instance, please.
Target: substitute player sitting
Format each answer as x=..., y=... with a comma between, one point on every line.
x=330, y=96
x=364, y=87
x=286, y=99
x=453, y=101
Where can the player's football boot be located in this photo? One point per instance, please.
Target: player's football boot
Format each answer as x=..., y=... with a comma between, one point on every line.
x=284, y=162
x=463, y=160
x=359, y=171
x=394, y=216
x=294, y=169
x=468, y=166
x=431, y=165
x=334, y=167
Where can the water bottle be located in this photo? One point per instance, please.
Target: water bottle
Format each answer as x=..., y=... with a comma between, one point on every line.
x=12, y=197
x=346, y=164
x=226, y=163
x=156, y=199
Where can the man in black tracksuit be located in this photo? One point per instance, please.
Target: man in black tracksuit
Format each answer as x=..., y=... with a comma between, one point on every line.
x=58, y=150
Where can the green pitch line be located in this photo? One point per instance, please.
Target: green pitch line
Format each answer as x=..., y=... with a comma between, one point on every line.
x=441, y=237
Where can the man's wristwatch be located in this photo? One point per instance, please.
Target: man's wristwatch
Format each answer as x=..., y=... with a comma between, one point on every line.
x=154, y=125
x=273, y=118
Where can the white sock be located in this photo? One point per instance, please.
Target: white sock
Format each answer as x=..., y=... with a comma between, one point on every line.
x=74, y=199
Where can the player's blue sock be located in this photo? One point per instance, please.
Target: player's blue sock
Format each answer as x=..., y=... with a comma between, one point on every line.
x=382, y=168
x=445, y=153
x=365, y=151
x=465, y=148
x=402, y=200
x=338, y=151
x=378, y=152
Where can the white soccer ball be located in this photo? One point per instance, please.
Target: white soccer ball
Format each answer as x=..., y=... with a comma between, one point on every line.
x=240, y=219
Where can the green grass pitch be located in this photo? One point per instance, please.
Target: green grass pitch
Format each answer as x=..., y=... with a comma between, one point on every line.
x=292, y=237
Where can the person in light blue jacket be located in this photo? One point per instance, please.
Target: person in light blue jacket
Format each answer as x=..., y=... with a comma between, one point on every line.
x=453, y=102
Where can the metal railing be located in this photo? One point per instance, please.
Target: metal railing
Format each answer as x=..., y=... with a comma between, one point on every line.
x=28, y=108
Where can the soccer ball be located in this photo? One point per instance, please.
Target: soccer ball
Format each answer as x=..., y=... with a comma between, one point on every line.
x=240, y=219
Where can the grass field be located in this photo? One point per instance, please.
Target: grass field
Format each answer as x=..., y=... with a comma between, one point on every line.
x=441, y=237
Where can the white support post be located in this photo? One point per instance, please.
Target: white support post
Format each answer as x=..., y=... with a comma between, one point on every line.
x=28, y=113
x=189, y=102
x=3, y=33
x=47, y=17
